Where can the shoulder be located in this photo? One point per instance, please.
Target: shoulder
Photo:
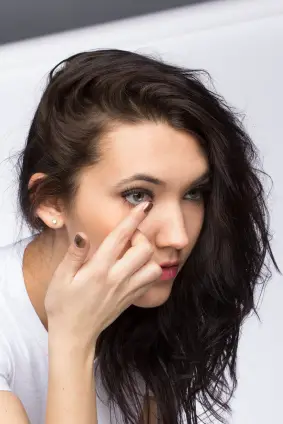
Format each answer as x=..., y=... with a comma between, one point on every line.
x=18, y=322
x=7, y=254
x=11, y=256
x=11, y=293
x=7, y=270
x=6, y=364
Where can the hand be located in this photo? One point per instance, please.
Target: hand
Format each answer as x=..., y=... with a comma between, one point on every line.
x=84, y=298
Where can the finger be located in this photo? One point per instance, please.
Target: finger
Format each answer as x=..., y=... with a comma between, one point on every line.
x=144, y=277
x=115, y=242
x=74, y=257
x=135, y=257
x=139, y=238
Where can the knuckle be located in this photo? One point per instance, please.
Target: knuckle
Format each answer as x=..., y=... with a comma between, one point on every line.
x=123, y=237
x=75, y=255
x=147, y=248
x=111, y=278
x=99, y=271
x=156, y=269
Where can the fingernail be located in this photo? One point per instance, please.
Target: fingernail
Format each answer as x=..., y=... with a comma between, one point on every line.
x=79, y=241
x=148, y=207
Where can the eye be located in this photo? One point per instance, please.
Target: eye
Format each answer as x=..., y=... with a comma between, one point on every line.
x=137, y=195
x=195, y=194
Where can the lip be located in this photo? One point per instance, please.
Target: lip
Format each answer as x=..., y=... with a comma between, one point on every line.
x=169, y=273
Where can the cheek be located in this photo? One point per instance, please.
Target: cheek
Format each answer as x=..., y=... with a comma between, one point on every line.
x=98, y=220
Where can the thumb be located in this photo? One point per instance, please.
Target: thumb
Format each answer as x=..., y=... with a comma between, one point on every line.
x=75, y=255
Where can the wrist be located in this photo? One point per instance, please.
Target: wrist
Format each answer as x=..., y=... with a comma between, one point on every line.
x=66, y=348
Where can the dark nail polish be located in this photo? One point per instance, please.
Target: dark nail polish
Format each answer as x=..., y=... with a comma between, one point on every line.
x=148, y=207
x=79, y=241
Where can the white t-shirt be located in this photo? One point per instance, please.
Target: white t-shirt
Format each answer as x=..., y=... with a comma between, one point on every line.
x=24, y=342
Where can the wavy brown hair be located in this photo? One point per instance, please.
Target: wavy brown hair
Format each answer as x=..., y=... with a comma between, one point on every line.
x=184, y=351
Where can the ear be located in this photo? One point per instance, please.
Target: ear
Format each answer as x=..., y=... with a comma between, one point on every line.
x=50, y=211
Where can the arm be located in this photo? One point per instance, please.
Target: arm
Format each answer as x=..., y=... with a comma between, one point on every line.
x=11, y=409
x=71, y=395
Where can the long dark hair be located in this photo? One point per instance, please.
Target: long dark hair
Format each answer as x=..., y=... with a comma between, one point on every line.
x=184, y=351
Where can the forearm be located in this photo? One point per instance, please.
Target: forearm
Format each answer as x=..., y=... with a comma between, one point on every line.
x=71, y=397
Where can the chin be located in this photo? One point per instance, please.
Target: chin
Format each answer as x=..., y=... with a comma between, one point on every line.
x=158, y=294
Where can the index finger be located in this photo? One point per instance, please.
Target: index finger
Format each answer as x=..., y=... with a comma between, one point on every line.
x=115, y=242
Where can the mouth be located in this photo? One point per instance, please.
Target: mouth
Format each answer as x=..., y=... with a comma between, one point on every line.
x=169, y=270
x=168, y=273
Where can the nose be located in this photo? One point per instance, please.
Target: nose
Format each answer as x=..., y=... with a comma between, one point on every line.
x=172, y=231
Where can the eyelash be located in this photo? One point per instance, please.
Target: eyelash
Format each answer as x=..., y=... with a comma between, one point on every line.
x=137, y=190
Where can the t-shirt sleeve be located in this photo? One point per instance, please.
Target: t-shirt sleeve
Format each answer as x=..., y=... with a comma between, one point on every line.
x=5, y=365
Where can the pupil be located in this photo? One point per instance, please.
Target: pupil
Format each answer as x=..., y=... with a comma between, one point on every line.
x=138, y=196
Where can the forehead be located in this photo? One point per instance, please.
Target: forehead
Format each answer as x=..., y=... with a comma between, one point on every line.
x=150, y=141
x=155, y=148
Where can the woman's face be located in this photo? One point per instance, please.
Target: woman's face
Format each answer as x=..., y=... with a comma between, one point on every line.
x=174, y=162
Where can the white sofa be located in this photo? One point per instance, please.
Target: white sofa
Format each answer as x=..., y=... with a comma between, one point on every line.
x=241, y=44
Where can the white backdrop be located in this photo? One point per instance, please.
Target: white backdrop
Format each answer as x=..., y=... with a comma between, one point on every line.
x=241, y=44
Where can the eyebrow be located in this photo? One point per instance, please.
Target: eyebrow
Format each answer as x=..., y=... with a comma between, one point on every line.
x=202, y=179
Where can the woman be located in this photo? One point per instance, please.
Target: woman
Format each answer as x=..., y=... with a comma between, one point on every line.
x=157, y=297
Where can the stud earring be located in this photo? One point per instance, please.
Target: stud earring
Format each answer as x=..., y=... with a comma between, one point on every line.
x=54, y=221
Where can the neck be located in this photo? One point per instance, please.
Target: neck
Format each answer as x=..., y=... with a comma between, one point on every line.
x=41, y=258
